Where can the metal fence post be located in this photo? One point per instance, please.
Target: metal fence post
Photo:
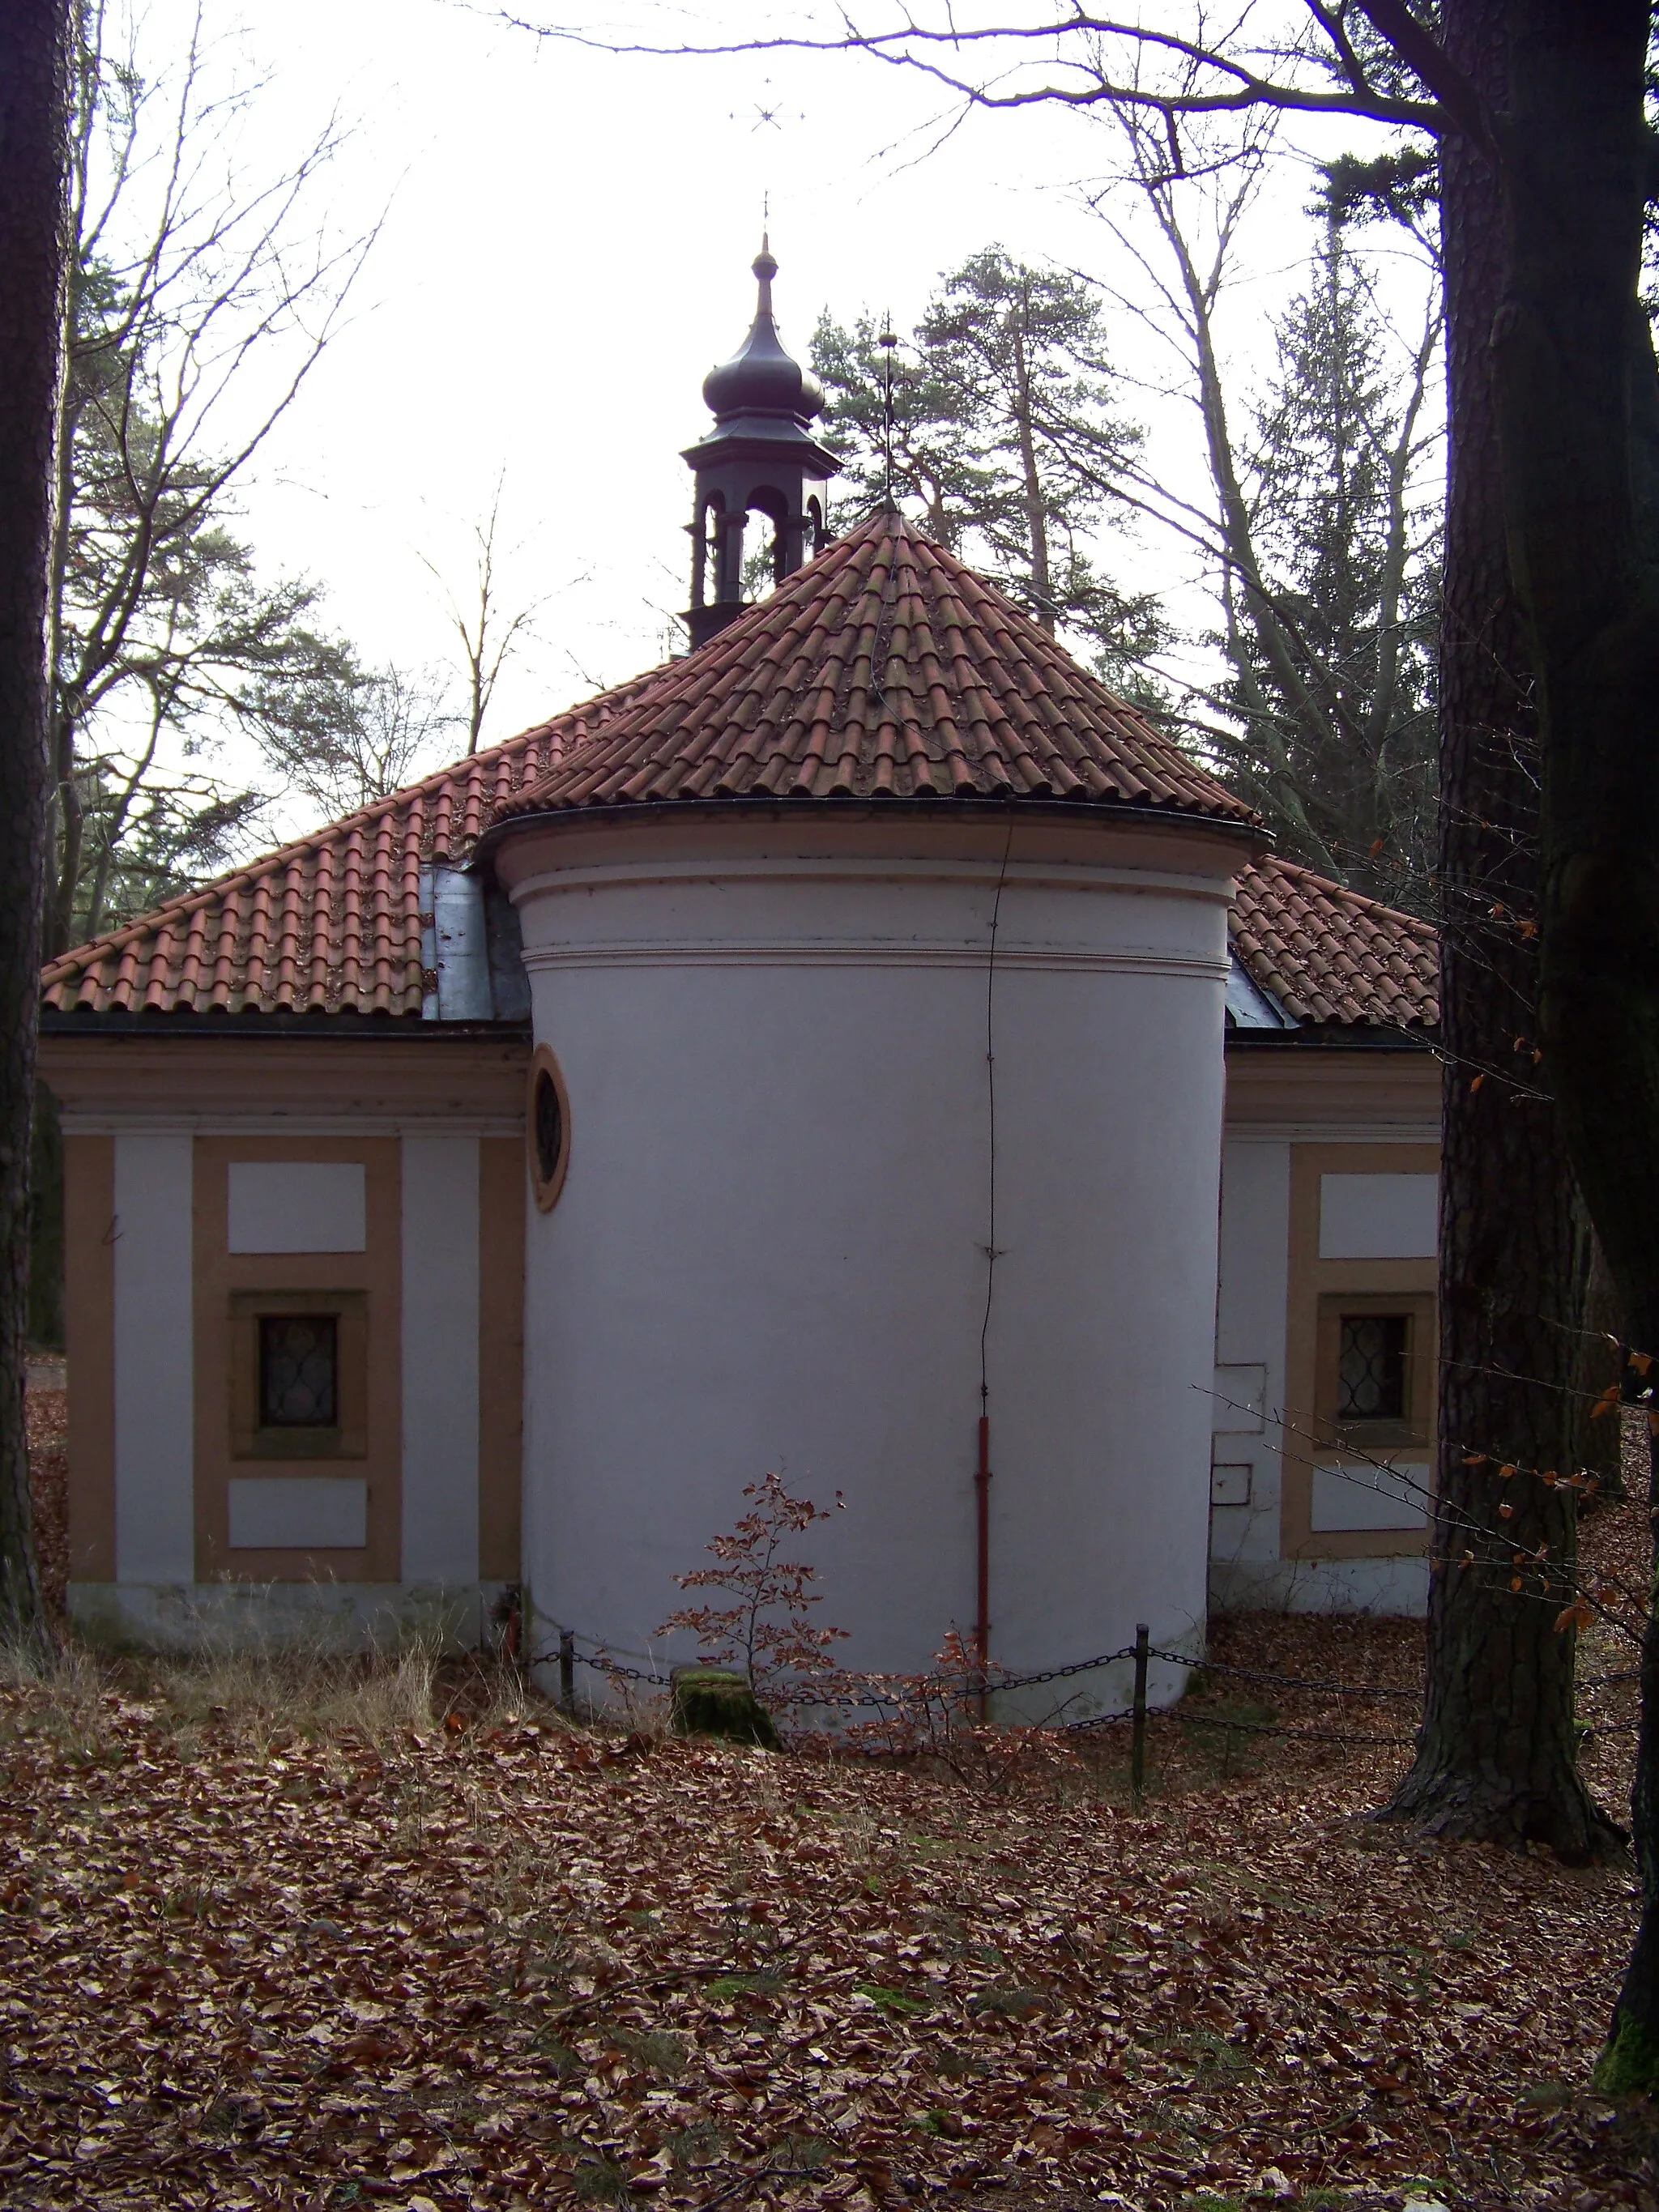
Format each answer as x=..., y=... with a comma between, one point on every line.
x=567, y=1670
x=1137, y=1740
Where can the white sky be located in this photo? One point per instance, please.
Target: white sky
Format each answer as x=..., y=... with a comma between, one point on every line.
x=566, y=253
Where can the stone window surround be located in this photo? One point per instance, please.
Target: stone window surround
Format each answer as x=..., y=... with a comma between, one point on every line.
x=1321, y=1288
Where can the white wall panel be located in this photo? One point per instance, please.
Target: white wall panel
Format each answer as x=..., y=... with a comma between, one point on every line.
x=1369, y=1497
x=1240, y=1398
x=1250, y=1322
x=305, y=1512
x=1229, y=1482
x=154, y=1406
x=297, y=1205
x=440, y=1360
x=1378, y=1217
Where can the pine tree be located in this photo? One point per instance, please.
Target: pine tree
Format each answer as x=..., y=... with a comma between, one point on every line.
x=1006, y=436
x=1332, y=625
x=161, y=622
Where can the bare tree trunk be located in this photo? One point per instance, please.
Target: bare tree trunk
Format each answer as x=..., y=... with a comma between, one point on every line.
x=65, y=816
x=1578, y=406
x=58, y=925
x=1495, y=1752
x=34, y=49
x=1037, y=521
x=1602, y=1369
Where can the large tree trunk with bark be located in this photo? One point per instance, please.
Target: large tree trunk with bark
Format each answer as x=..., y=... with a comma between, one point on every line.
x=1495, y=1753
x=1605, y=1377
x=1578, y=399
x=34, y=45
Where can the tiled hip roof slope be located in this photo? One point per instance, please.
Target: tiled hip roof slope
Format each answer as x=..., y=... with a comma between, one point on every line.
x=932, y=686
x=1331, y=957
x=328, y=924
x=883, y=669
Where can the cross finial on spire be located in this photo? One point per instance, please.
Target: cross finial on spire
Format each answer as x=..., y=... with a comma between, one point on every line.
x=765, y=270
x=887, y=341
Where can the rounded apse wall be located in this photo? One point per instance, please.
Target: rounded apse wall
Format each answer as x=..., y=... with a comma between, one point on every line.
x=772, y=1241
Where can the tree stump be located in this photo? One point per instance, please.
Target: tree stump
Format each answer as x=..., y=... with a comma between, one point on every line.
x=718, y=1701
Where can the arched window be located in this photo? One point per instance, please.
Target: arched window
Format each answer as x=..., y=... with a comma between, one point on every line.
x=549, y=1129
x=706, y=547
x=766, y=500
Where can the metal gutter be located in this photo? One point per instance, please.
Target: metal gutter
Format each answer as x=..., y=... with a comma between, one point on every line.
x=390, y=1028
x=1314, y=1037
x=871, y=808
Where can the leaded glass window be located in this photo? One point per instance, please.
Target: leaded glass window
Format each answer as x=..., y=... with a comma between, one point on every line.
x=299, y=1370
x=550, y=1126
x=1371, y=1371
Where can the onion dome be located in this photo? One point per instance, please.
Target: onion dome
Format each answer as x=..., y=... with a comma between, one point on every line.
x=761, y=378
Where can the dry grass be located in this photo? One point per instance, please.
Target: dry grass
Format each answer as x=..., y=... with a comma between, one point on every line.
x=255, y=1698
x=47, y=1414
x=260, y=1694
x=60, y=1688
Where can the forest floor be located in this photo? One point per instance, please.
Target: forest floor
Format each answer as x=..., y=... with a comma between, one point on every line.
x=323, y=1935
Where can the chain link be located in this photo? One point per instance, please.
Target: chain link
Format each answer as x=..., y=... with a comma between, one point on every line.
x=996, y=1684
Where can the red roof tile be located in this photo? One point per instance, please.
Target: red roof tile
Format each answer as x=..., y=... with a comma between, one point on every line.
x=883, y=669
x=330, y=924
x=1330, y=956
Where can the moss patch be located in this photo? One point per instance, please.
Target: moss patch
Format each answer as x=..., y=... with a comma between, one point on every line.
x=1630, y=2063
x=718, y=1701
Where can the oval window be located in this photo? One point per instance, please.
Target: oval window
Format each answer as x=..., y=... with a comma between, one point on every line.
x=550, y=1128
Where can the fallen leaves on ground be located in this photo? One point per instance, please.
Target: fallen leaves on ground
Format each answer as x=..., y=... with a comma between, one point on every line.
x=262, y=1958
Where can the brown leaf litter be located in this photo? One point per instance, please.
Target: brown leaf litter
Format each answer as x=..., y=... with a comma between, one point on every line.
x=267, y=1943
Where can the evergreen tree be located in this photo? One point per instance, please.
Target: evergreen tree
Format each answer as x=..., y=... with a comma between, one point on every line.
x=1006, y=436
x=161, y=628
x=1331, y=624
x=350, y=735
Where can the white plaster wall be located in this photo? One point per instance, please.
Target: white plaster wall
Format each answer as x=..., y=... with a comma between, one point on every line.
x=1247, y=1572
x=439, y=1359
x=1386, y=1586
x=155, y=1409
x=1252, y=1299
x=1365, y=1495
x=318, y=1511
x=296, y=1205
x=1379, y=1217
x=241, y=1616
x=770, y=1245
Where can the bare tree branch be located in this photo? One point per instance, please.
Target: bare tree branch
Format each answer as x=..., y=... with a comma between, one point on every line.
x=1082, y=45
x=487, y=638
x=186, y=273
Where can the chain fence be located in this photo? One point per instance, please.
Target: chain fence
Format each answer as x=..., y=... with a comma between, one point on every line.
x=603, y=1658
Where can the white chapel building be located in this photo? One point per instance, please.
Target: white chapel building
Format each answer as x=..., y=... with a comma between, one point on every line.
x=864, y=1047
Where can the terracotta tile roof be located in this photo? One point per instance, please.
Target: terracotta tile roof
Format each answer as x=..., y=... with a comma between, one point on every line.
x=882, y=669
x=1329, y=956
x=330, y=924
